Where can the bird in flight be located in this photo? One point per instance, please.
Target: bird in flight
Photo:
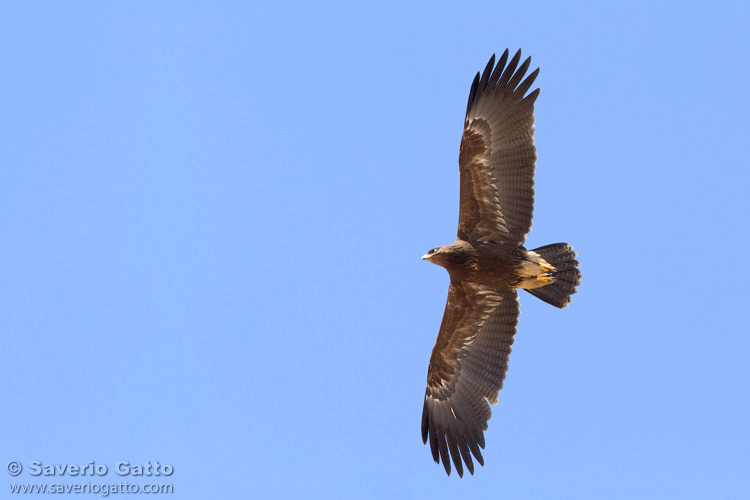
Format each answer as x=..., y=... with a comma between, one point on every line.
x=488, y=262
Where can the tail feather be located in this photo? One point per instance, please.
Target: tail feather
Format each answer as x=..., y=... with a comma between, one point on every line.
x=567, y=276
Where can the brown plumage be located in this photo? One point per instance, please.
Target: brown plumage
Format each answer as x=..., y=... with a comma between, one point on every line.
x=488, y=262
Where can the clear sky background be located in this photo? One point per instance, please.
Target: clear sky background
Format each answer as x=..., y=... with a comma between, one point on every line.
x=212, y=216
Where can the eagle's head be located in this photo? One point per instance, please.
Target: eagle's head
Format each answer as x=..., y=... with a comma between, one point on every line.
x=437, y=255
x=458, y=257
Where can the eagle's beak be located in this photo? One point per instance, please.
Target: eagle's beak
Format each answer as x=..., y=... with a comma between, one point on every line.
x=426, y=256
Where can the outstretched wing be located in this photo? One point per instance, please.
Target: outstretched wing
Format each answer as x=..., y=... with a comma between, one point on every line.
x=467, y=368
x=497, y=155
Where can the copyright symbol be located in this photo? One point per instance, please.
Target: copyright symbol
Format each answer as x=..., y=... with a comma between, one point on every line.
x=14, y=468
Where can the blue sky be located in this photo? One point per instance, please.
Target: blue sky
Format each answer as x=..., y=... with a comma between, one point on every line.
x=212, y=217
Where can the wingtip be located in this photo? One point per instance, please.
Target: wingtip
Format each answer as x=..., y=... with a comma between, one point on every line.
x=532, y=95
x=447, y=465
x=425, y=423
x=490, y=64
x=472, y=93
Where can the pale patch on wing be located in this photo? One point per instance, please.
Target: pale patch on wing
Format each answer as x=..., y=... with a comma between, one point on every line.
x=480, y=214
x=492, y=227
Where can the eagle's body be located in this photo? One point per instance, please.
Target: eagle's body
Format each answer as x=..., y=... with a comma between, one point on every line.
x=488, y=262
x=492, y=264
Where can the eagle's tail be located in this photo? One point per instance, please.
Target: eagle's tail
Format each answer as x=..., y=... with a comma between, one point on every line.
x=567, y=276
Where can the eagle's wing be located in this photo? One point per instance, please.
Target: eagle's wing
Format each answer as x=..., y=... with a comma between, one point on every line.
x=467, y=368
x=497, y=155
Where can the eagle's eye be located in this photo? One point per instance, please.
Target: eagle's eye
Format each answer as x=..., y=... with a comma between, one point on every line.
x=432, y=251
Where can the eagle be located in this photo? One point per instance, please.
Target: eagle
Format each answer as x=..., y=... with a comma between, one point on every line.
x=488, y=262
